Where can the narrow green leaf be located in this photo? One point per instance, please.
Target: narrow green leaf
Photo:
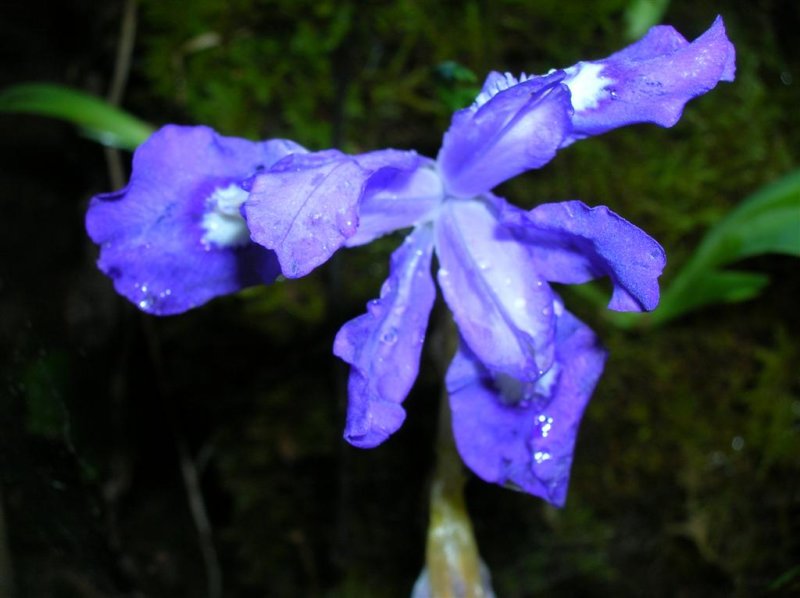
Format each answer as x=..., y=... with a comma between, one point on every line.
x=766, y=222
x=99, y=120
x=714, y=286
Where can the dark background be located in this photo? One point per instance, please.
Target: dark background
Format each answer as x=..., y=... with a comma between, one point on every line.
x=685, y=480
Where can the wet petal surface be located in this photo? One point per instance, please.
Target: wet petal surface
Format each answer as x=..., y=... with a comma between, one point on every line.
x=573, y=243
x=522, y=434
x=173, y=238
x=512, y=127
x=502, y=306
x=649, y=81
x=395, y=200
x=383, y=346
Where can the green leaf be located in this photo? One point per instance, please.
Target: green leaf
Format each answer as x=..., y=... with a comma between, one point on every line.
x=766, y=222
x=99, y=120
x=713, y=286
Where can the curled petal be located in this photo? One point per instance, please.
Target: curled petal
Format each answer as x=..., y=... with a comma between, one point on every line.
x=306, y=206
x=649, y=81
x=513, y=126
x=522, y=434
x=173, y=238
x=383, y=346
x=396, y=199
x=502, y=306
x=572, y=243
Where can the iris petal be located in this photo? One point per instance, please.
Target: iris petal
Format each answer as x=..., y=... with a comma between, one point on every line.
x=502, y=306
x=171, y=239
x=649, y=81
x=513, y=127
x=525, y=440
x=573, y=243
x=383, y=346
x=306, y=206
x=396, y=199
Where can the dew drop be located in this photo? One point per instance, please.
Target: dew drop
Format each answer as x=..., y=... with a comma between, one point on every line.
x=545, y=424
x=540, y=457
x=390, y=336
x=345, y=224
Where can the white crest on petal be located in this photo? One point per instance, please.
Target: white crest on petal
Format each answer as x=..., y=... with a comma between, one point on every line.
x=586, y=84
x=498, y=84
x=223, y=223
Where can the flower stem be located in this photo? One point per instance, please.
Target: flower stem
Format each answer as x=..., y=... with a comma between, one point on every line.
x=452, y=559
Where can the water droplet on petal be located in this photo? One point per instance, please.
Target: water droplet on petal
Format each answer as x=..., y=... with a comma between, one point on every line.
x=345, y=224
x=390, y=336
x=540, y=457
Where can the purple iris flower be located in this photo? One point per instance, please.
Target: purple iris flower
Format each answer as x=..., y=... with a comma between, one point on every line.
x=526, y=367
x=174, y=237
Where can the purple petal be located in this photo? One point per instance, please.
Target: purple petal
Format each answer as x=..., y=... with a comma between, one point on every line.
x=388, y=160
x=396, y=199
x=383, y=346
x=306, y=206
x=573, y=243
x=502, y=306
x=649, y=81
x=523, y=434
x=512, y=127
x=173, y=238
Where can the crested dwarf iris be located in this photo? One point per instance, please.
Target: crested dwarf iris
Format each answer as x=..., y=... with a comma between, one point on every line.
x=204, y=215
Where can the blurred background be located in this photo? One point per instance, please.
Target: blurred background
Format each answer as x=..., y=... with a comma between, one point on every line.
x=142, y=456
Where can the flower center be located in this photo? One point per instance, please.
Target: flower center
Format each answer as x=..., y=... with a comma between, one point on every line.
x=222, y=221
